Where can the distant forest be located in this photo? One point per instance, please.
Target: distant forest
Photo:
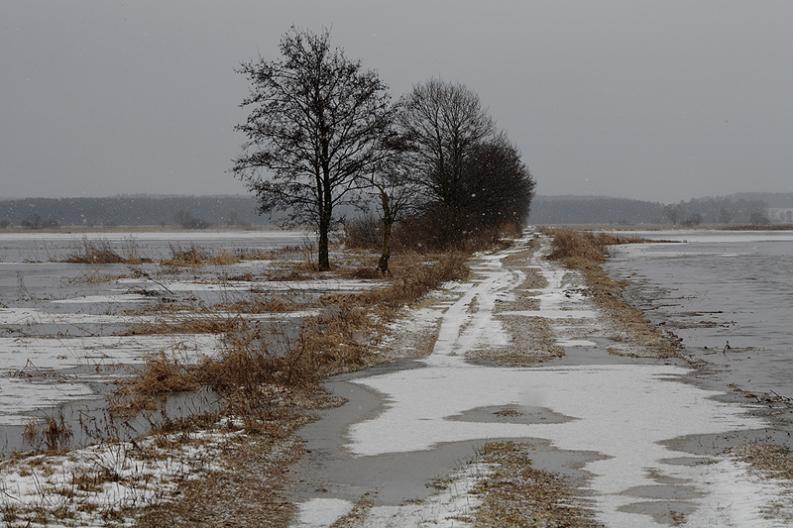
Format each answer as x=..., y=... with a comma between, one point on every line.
x=203, y=211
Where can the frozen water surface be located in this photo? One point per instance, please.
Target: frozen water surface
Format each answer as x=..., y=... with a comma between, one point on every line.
x=716, y=289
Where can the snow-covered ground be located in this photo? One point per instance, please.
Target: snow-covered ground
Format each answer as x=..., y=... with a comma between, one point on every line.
x=622, y=411
x=31, y=316
x=88, y=485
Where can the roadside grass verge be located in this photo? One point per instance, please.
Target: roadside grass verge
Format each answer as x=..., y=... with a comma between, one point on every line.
x=586, y=252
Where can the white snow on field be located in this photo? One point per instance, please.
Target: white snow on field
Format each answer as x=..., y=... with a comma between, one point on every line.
x=736, y=496
x=445, y=509
x=50, y=353
x=320, y=513
x=79, y=487
x=575, y=343
x=107, y=299
x=231, y=286
x=29, y=316
x=621, y=411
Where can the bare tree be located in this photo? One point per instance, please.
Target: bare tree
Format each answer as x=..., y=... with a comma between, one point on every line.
x=442, y=121
x=314, y=123
x=496, y=187
x=394, y=190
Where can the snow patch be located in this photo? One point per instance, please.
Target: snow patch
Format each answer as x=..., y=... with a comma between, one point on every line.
x=320, y=513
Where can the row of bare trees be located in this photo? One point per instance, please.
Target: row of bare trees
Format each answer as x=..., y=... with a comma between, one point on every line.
x=323, y=132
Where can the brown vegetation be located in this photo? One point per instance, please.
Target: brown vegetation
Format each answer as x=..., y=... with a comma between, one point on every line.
x=192, y=323
x=774, y=461
x=102, y=252
x=586, y=252
x=193, y=257
x=51, y=435
x=340, y=339
x=516, y=495
x=162, y=374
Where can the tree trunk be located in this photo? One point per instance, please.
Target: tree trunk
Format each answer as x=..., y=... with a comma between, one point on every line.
x=382, y=265
x=326, y=214
x=323, y=260
x=388, y=221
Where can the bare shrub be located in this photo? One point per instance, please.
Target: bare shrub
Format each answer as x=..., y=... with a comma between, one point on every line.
x=162, y=374
x=363, y=233
x=194, y=256
x=585, y=245
x=52, y=435
x=96, y=252
x=198, y=323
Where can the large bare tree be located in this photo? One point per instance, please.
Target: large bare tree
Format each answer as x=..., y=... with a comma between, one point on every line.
x=315, y=120
x=442, y=122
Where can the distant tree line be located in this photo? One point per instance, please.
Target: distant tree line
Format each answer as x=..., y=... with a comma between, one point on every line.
x=720, y=210
x=323, y=132
x=569, y=209
x=186, y=211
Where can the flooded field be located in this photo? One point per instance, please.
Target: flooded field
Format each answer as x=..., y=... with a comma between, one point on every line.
x=520, y=356
x=71, y=330
x=728, y=295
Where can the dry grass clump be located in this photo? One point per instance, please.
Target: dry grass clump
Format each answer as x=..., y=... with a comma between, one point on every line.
x=216, y=318
x=253, y=254
x=338, y=340
x=162, y=374
x=195, y=323
x=416, y=274
x=342, y=339
x=246, y=363
x=775, y=461
x=586, y=252
x=52, y=435
x=263, y=305
x=194, y=257
x=516, y=495
x=586, y=246
x=102, y=252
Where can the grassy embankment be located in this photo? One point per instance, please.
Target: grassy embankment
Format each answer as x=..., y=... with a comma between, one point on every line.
x=586, y=252
x=341, y=338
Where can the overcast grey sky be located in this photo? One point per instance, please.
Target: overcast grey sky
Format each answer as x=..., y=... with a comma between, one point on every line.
x=660, y=100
